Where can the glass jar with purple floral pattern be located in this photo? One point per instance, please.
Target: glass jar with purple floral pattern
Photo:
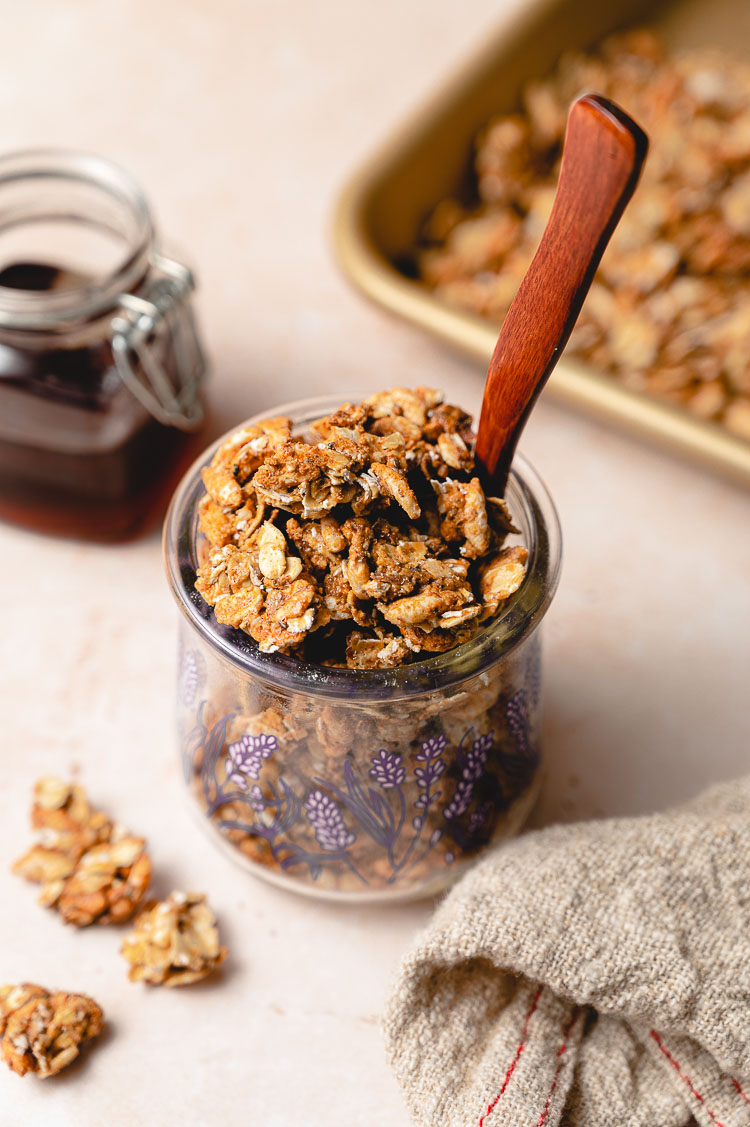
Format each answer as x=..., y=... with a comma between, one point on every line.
x=362, y=785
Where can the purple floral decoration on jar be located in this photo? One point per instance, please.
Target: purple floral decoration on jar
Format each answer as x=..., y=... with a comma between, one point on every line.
x=479, y=817
x=434, y=767
x=387, y=769
x=459, y=804
x=256, y=800
x=432, y=747
x=430, y=773
x=245, y=758
x=374, y=801
x=476, y=756
x=328, y=823
x=534, y=673
x=517, y=713
x=472, y=764
x=191, y=676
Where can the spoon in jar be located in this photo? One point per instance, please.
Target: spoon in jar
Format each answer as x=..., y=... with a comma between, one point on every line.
x=603, y=154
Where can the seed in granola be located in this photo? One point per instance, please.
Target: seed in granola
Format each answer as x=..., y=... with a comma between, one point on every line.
x=413, y=404
x=462, y=507
x=425, y=608
x=500, y=577
x=454, y=450
x=271, y=552
x=393, y=484
x=41, y=1031
x=174, y=942
x=375, y=653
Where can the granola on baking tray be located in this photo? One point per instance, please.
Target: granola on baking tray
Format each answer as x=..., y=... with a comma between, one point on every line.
x=90, y=869
x=367, y=545
x=669, y=310
x=41, y=1031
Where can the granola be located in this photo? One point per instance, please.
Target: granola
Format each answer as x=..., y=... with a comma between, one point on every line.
x=669, y=311
x=174, y=942
x=90, y=869
x=363, y=545
x=361, y=796
x=41, y=1031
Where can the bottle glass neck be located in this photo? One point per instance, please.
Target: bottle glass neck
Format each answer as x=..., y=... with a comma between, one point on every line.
x=75, y=234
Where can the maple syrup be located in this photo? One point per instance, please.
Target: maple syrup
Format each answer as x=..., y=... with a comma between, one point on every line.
x=100, y=369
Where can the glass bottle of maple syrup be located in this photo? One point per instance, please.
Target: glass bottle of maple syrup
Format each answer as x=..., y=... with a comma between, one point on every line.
x=101, y=366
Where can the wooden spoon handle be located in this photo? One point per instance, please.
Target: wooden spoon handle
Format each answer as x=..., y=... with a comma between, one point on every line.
x=602, y=158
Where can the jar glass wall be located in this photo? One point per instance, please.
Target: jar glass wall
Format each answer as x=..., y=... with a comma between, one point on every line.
x=362, y=785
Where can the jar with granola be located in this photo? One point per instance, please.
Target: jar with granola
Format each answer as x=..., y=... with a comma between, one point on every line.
x=359, y=668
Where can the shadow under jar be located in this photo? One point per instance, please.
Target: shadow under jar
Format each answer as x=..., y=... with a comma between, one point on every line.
x=361, y=785
x=100, y=362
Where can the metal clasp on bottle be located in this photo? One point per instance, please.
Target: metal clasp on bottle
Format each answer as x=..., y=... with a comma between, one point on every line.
x=160, y=320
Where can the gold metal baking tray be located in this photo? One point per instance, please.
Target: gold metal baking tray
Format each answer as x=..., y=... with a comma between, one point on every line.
x=381, y=210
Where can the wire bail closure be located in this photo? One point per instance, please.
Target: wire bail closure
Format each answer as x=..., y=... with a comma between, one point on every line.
x=163, y=309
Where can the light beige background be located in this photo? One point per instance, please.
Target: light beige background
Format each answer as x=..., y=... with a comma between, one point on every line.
x=242, y=119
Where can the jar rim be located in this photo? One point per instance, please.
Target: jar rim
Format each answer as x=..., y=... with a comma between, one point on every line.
x=29, y=310
x=531, y=505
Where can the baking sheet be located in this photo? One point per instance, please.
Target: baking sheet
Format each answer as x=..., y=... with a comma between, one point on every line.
x=380, y=212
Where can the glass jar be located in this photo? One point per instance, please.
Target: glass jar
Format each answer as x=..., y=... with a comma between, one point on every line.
x=361, y=785
x=100, y=364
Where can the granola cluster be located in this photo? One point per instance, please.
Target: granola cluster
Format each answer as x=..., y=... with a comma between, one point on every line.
x=41, y=1031
x=90, y=869
x=669, y=311
x=366, y=544
x=94, y=872
x=175, y=942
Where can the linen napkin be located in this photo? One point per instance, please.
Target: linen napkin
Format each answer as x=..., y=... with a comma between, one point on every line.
x=590, y=975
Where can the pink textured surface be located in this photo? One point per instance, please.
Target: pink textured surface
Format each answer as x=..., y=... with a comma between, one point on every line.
x=242, y=121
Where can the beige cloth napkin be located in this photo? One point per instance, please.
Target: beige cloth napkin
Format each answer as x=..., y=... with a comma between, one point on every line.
x=593, y=975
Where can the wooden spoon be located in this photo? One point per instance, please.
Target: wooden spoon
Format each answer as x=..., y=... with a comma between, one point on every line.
x=603, y=154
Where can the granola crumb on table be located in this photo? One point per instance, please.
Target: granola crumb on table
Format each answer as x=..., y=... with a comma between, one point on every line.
x=369, y=545
x=90, y=869
x=174, y=942
x=41, y=1031
x=669, y=310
